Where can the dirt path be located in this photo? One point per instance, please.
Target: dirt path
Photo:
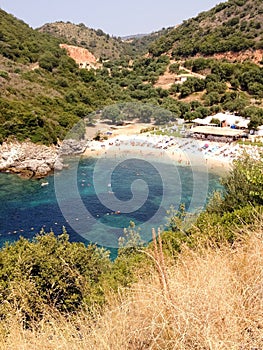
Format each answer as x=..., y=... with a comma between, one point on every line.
x=166, y=80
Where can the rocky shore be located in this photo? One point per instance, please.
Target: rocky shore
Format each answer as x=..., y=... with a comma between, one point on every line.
x=30, y=160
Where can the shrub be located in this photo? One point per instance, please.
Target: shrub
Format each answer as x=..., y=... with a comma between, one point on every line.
x=50, y=272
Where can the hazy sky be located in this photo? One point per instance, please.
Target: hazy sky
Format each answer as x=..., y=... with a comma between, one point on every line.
x=115, y=17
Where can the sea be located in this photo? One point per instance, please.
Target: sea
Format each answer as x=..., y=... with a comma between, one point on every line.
x=95, y=199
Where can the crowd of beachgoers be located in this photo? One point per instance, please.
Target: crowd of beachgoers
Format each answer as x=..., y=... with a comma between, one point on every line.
x=186, y=151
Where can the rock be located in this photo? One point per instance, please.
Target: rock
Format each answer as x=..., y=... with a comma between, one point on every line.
x=31, y=164
x=43, y=170
x=32, y=160
x=28, y=159
x=71, y=147
x=83, y=57
x=58, y=164
x=24, y=173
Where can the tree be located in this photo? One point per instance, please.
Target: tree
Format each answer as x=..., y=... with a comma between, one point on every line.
x=204, y=111
x=162, y=116
x=256, y=89
x=191, y=85
x=87, y=75
x=112, y=113
x=185, y=91
x=48, y=61
x=200, y=64
x=218, y=87
x=78, y=131
x=174, y=68
x=242, y=186
x=255, y=122
x=256, y=116
x=215, y=121
x=212, y=98
x=188, y=116
x=145, y=114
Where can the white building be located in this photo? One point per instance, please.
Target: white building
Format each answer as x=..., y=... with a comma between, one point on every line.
x=226, y=120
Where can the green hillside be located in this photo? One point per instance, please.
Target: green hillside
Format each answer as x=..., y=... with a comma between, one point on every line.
x=233, y=25
x=20, y=43
x=102, y=45
x=44, y=93
x=139, y=45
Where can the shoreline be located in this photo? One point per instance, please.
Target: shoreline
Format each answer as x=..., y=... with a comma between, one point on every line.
x=29, y=160
x=182, y=151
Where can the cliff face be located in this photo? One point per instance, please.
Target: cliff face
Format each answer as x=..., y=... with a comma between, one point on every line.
x=81, y=56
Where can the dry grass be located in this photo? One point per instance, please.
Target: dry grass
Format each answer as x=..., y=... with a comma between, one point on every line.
x=215, y=302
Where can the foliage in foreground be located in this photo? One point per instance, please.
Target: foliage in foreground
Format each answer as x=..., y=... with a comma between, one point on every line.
x=51, y=272
x=215, y=302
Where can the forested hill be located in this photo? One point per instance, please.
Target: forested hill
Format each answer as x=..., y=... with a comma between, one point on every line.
x=44, y=93
x=234, y=25
x=102, y=45
x=22, y=44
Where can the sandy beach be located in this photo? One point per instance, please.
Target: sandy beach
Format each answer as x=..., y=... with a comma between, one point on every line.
x=188, y=152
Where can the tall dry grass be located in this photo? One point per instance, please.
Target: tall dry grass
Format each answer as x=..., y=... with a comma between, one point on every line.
x=215, y=302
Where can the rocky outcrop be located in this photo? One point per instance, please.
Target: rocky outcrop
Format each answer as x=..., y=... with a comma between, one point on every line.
x=71, y=147
x=30, y=160
x=81, y=56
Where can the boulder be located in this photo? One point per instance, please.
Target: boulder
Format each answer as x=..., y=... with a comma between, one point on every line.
x=71, y=147
x=58, y=165
x=42, y=170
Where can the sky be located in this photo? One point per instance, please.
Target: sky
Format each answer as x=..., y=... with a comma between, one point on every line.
x=114, y=17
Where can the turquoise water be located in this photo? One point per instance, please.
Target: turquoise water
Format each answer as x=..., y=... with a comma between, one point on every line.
x=94, y=202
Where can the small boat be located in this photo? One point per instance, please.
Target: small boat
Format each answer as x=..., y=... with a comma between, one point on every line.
x=44, y=184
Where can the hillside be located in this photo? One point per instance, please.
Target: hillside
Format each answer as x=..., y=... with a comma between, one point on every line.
x=234, y=25
x=102, y=45
x=214, y=304
x=44, y=92
x=139, y=44
x=22, y=44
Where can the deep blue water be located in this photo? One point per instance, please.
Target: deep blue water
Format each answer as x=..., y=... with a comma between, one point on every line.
x=94, y=202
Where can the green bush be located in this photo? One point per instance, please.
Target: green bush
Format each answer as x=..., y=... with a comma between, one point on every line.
x=50, y=272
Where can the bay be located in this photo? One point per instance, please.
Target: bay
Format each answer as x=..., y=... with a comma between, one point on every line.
x=94, y=202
